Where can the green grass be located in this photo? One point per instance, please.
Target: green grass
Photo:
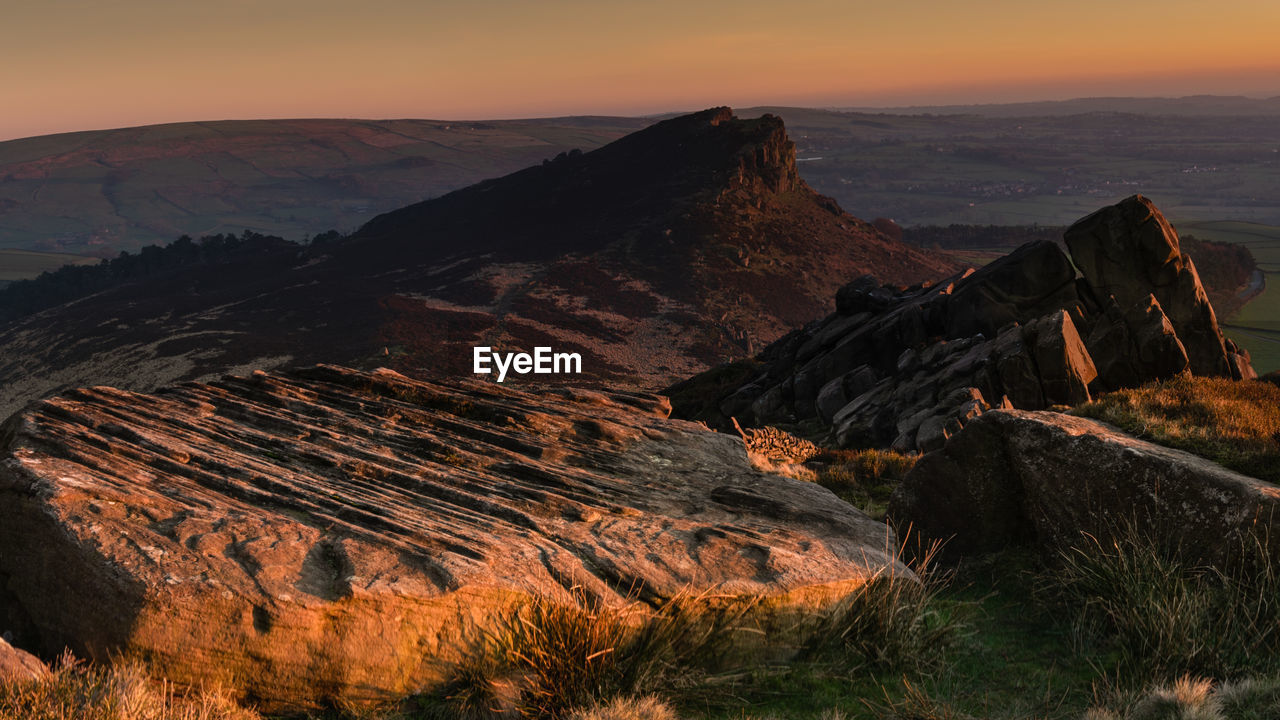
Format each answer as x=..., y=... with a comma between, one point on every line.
x=1236, y=424
x=863, y=478
x=1155, y=614
x=1012, y=660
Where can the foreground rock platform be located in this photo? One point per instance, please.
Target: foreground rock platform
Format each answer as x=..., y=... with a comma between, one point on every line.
x=330, y=535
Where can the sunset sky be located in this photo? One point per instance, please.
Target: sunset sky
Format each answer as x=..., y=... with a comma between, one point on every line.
x=76, y=65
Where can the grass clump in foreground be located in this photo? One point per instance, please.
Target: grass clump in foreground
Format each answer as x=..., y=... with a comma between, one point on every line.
x=1236, y=424
x=1197, y=699
x=863, y=478
x=1157, y=614
x=550, y=660
x=75, y=691
x=893, y=622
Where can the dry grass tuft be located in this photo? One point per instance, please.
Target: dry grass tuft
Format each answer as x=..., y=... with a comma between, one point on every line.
x=1190, y=698
x=628, y=708
x=893, y=622
x=549, y=659
x=75, y=691
x=863, y=478
x=1236, y=424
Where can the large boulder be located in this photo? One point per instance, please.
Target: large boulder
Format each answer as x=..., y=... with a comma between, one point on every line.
x=330, y=535
x=1130, y=251
x=1015, y=477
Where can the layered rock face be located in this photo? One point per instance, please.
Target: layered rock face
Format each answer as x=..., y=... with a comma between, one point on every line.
x=1044, y=478
x=909, y=368
x=1130, y=252
x=333, y=535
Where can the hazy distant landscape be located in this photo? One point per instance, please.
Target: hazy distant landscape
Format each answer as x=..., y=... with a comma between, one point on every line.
x=106, y=191
x=141, y=186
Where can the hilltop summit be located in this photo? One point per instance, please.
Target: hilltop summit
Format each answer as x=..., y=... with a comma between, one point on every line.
x=687, y=243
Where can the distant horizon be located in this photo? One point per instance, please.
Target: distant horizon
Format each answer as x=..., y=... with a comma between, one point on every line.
x=831, y=107
x=75, y=65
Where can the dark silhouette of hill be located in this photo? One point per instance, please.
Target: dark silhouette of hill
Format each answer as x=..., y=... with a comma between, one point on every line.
x=687, y=243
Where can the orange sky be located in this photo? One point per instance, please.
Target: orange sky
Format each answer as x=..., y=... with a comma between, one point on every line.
x=80, y=64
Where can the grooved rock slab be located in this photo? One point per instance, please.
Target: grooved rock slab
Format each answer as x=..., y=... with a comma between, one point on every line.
x=329, y=534
x=1026, y=477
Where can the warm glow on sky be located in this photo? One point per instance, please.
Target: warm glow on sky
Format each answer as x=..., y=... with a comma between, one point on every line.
x=73, y=65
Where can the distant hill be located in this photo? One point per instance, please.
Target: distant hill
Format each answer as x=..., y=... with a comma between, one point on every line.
x=98, y=193
x=106, y=191
x=1049, y=169
x=1195, y=105
x=684, y=244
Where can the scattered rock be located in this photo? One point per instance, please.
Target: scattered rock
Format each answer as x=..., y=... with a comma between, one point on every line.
x=19, y=666
x=329, y=535
x=1015, y=477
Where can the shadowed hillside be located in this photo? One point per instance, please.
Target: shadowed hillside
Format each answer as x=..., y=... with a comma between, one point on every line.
x=690, y=242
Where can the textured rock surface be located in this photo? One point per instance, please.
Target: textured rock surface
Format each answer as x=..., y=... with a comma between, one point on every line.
x=18, y=665
x=1130, y=251
x=329, y=534
x=1014, y=476
x=909, y=367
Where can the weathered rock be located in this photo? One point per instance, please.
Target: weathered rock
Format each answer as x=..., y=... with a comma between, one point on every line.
x=1017, y=477
x=1135, y=346
x=1064, y=365
x=1023, y=330
x=332, y=535
x=1032, y=281
x=1129, y=251
x=18, y=665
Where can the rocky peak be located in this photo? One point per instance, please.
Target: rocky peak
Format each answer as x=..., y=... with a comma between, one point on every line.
x=909, y=367
x=1129, y=251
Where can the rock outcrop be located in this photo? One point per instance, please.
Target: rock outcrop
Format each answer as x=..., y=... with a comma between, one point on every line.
x=1042, y=478
x=1129, y=252
x=18, y=665
x=333, y=535
x=908, y=368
